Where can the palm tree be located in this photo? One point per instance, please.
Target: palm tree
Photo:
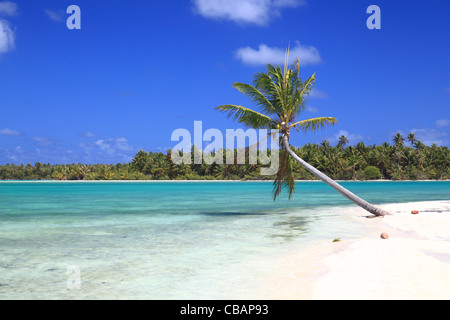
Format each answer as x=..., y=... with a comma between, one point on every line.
x=140, y=160
x=354, y=158
x=343, y=141
x=419, y=145
x=398, y=140
x=412, y=138
x=280, y=98
x=442, y=161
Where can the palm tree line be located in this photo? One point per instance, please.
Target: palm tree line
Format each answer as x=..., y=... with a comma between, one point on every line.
x=403, y=159
x=395, y=161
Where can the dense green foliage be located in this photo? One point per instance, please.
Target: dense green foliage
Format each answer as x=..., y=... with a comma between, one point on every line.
x=396, y=162
x=372, y=172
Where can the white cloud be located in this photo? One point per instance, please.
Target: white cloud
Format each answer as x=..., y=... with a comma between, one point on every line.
x=109, y=150
x=9, y=132
x=7, y=37
x=311, y=109
x=258, y=12
x=51, y=150
x=55, y=15
x=318, y=94
x=352, y=138
x=430, y=136
x=44, y=141
x=438, y=135
x=442, y=123
x=113, y=145
x=265, y=54
x=8, y=8
x=89, y=135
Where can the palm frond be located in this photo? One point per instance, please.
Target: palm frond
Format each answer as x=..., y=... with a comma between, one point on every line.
x=278, y=90
x=303, y=89
x=247, y=116
x=256, y=96
x=284, y=177
x=307, y=86
x=268, y=85
x=285, y=91
x=314, y=123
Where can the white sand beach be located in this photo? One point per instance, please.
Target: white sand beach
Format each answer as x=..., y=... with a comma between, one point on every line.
x=413, y=263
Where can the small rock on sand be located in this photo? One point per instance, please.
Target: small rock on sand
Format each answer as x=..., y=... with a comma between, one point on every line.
x=384, y=235
x=414, y=212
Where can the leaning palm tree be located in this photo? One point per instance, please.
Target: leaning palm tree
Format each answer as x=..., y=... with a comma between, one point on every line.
x=280, y=97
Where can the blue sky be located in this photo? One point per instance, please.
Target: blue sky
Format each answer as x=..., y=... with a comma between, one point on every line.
x=138, y=70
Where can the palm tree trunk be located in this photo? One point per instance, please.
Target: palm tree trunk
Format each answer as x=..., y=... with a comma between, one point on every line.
x=346, y=193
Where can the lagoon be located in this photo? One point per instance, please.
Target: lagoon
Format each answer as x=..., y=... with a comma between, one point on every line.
x=163, y=240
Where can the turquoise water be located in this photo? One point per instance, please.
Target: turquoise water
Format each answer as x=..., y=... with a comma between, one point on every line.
x=168, y=240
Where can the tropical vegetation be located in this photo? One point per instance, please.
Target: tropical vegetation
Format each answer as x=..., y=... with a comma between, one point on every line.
x=414, y=161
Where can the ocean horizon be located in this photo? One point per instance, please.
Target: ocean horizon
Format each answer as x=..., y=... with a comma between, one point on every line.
x=165, y=240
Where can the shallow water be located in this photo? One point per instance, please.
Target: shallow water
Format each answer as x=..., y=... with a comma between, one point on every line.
x=168, y=240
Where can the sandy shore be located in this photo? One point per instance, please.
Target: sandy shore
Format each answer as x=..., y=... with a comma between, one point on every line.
x=414, y=263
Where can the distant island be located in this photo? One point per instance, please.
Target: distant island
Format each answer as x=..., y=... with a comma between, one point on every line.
x=395, y=161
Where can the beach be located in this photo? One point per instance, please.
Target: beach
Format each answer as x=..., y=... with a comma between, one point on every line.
x=413, y=263
x=230, y=240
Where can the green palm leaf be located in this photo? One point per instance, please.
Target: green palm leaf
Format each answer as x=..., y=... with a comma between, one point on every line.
x=247, y=116
x=314, y=123
x=256, y=96
x=285, y=176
